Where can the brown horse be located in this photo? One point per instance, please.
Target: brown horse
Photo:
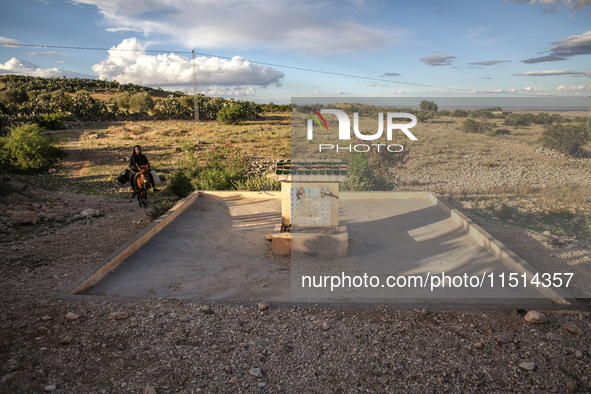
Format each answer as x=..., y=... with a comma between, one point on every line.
x=142, y=183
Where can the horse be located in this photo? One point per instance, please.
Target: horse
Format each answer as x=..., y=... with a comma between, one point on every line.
x=142, y=183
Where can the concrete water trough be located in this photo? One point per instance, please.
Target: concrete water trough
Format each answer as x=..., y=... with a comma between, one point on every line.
x=213, y=246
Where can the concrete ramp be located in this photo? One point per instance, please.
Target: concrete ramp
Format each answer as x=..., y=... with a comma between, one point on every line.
x=214, y=248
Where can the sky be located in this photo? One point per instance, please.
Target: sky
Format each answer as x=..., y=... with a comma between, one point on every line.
x=262, y=50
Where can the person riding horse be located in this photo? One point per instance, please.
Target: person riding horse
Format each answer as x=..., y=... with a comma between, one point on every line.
x=136, y=160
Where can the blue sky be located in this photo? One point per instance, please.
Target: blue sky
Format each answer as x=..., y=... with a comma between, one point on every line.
x=479, y=48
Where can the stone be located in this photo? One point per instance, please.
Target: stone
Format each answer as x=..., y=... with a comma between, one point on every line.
x=547, y=233
x=118, y=315
x=478, y=345
x=149, y=390
x=50, y=388
x=184, y=318
x=89, y=212
x=22, y=217
x=72, y=316
x=263, y=306
x=579, y=354
x=573, y=328
x=51, y=171
x=528, y=366
x=269, y=237
x=256, y=372
x=555, y=337
x=262, y=384
x=46, y=317
x=325, y=326
x=501, y=339
x=66, y=340
x=234, y=380
x=571, y=386
x=535, y=317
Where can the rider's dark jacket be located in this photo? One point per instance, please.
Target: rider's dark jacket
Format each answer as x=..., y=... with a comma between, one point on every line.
x=138, y=160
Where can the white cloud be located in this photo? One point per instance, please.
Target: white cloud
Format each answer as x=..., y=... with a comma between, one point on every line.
x=8, y=41
x=50, y=53
x=129, y=64
x=574, y=89
x=118, y=29
x=305, y=26
x=494, y=91
x=546, y=73
x=216, y=91
x=22, y=67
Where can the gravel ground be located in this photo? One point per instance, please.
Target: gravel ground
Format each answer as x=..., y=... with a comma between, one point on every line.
x=209, y=347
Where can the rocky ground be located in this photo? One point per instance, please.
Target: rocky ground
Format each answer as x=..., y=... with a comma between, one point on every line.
x=47, y=239
x=156, y=346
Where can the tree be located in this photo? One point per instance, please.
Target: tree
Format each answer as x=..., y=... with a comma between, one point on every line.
x=428, y=106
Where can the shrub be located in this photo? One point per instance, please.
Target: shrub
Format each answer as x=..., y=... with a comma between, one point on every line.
x=231, y=114
x=565, y=138
x=428, y=106
x=25, y=150
x=497, y=132
x=371, y=170
x=160, y=209
x=257, y=183
x=52, y=121
x=476, y=126
x=459, y=113
x=141, y=102
x=13, y=96
x=217, y=168
x=519, y=119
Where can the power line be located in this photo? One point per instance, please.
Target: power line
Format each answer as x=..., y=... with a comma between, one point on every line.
x=253, y=61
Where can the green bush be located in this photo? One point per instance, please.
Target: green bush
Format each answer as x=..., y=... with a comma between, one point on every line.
x=565, y=138
x=459, y=113
x=428, y=106
x=257, y=183
x=231, y=114
x=494, y=133
x=371, y=170
x=25, y=150
x=13, y=96
x=217, y=168
x=52, y=121
x=160, y=209
x=476, y=126
x=141, y=102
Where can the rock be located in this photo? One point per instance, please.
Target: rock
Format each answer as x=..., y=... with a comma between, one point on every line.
x=555, y=337
x=66, y=340
x=571, y=386
x=72, y=316
x=573, y=328
x=149, y=390
x=183, y=318
x=262, y=384
x=547, y=233
x=528, y=366
x=579, y=354
x=234, y=380
x=49, y=388
x=51, y=171
x=89, y=212
x=256, y=372
x=325, y=326
x=535, y=317
x=46, y=317
x=501, y=339
x=478, y=345
x=22, y=217
x=263, y=306
x=269, y=237
x=118, y=315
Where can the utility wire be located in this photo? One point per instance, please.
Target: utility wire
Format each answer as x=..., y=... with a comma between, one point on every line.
x=267, y=64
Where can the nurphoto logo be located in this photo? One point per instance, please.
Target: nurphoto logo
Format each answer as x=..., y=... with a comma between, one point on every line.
x=345, y=129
